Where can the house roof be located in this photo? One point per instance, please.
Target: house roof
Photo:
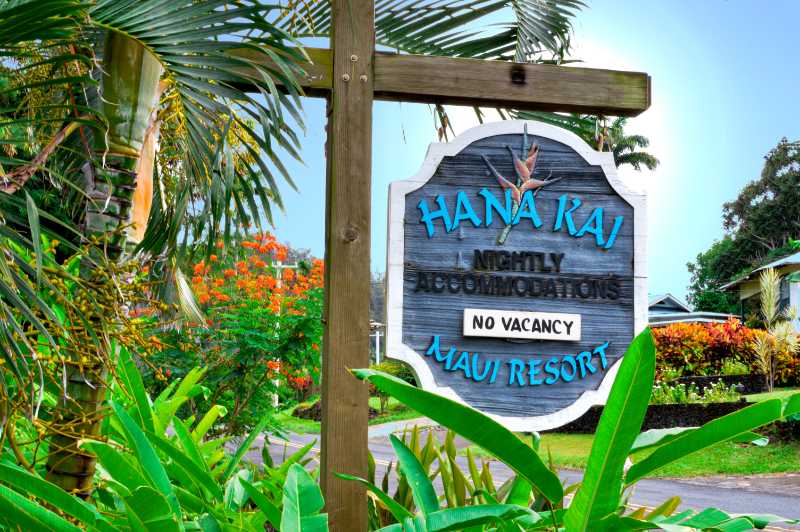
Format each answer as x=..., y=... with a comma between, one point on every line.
x=667, y=301
x=688, y=317
x=788, y=260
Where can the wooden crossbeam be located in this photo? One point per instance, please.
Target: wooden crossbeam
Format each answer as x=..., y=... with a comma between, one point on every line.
x=522, y=86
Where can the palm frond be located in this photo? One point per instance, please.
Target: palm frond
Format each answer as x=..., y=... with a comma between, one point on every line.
x=451, y=27
x=213, y=54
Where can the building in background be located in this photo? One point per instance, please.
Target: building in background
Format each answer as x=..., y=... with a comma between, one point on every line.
x=749, y=287
x=664, y=309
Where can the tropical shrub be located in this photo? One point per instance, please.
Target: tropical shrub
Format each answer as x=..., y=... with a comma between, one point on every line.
x=397, y=369
x=260, y=341
x=599, y=502
x=665, y=393
x=717, y=349
x=702, y=348
x=158, y=471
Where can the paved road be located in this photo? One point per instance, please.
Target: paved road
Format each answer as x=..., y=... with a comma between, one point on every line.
x=763, y=495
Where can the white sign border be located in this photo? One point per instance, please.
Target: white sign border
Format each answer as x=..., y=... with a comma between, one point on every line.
x=395, y=348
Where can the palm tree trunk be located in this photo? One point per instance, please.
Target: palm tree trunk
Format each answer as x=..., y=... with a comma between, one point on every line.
x=130, y=93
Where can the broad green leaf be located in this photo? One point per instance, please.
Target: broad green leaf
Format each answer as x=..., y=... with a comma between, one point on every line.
x=271, y=511
x=195, y=471
x=468, y=516
x=712, y=433
x=116, y=463
x=243, y=448
x=28, y=515
x=149, y=460
x=520, y=492
x=34, y=485
x=792, y=405
x=295, y=457
x=620, y=423
x=666, y=508
x=150, y=508
x=207, y=421
x=188, y=444
x=302, y=502
x=235, y=494
x=134, y=384
x=396, y=509
x=421, y=488
x=474, y=426
x=762, y=520
x=656, y=437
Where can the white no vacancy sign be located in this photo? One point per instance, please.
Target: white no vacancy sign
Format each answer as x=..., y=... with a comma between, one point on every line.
x=522, y=325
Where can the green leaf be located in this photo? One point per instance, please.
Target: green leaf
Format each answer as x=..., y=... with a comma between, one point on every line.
x=194, y=470
x=302, y=502
x=117, y=463
x=207, y=421
x=620, y=423
x=396, y=509
x=421, y=487
x=24, y=481
x=520, y=492
x=243, y=448
x=474, y=426
x=36, y=237
x=132, y=380
x=150, y=463
x=235, y=494
x=469, y=516
x=271, y=511
x=712, y=433
x=657, y=437
x=152, y=510
x=29, y=515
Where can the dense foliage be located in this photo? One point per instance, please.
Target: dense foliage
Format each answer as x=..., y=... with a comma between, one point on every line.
x=260, y=341
x=710, y=348
x=534, y=498
x=760, y=225
x=159, y=471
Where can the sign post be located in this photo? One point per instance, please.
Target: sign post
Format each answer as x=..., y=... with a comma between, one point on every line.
x=516, y=273
x=350, y=75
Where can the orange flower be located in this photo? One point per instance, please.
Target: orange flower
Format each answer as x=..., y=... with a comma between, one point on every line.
x=204, y=298
x=213, y=258
x=198, y=268
x=220, y=244
x=197, y=279
x=288, y=275
x=229, y=272
x=249, y=245
x=219, y=282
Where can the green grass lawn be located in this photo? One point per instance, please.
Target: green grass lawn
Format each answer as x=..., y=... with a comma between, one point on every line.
x=572, y=450
x=777, y=393
x=395, y=411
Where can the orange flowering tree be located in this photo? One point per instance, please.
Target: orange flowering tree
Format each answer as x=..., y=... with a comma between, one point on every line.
x=261, y=339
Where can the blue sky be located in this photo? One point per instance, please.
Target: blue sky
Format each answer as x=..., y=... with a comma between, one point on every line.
x=726, y=88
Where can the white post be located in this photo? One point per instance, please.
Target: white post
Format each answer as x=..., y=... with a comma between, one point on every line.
x=377, y=346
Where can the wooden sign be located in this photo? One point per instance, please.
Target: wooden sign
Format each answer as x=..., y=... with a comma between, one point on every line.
x=516, y=273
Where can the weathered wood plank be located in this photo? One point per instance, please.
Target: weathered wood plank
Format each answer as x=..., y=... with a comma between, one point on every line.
x=435, y=275
x=458, y=81
x=429, y=79
x=347, y=265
